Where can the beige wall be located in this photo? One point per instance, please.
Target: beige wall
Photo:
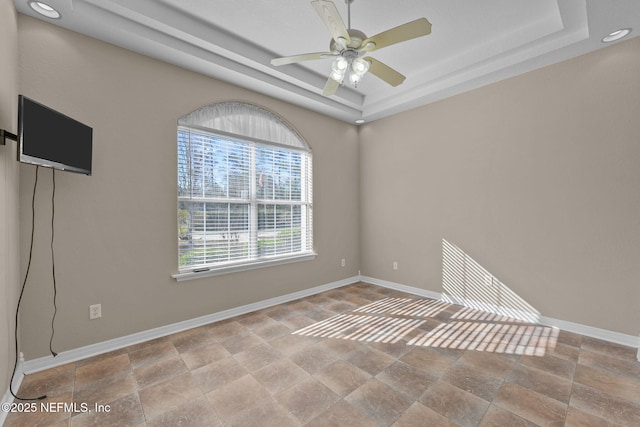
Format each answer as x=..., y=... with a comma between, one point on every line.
x=116, y=232
x=9, y=239
x=534, y=177
x=537, y=178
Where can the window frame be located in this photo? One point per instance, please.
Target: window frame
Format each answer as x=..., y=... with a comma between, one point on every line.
x=254, y=202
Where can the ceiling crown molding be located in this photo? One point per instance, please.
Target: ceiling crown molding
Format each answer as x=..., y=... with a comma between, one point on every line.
x=468, y=48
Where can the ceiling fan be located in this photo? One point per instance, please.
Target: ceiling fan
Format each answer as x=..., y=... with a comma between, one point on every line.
x=349, y=46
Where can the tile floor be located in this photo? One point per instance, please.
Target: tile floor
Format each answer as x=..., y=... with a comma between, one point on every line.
x=360, y=355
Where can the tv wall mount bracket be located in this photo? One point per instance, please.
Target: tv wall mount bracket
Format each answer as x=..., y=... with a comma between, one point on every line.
x=4, y=135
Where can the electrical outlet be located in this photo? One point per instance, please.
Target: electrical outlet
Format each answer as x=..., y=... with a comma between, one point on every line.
x=343, y=262
x=395, y=265
x=95, y=311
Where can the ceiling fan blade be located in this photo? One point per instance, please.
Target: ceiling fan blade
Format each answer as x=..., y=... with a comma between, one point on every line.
x=330, y=88
x=300, y=58
x=331, y=18
x=384, y=72
x=418, y=28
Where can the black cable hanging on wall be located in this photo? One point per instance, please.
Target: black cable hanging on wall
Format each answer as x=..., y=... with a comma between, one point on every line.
x=26, y=276
x=53, y=264
x=24, y=283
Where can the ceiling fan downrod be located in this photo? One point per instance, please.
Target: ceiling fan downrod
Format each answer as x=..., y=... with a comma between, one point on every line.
x=348, y=2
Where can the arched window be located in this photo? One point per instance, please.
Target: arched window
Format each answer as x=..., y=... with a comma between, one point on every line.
x=244, y=191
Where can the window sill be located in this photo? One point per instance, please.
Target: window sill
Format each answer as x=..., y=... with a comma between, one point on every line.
x=216, y=271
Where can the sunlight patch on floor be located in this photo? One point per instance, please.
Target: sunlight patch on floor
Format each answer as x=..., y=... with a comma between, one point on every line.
x=405, y=307
x=362, y=328
x=495, y=337
x=391, y=320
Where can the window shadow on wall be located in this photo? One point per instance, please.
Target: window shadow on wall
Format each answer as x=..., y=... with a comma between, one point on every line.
x=467, y=283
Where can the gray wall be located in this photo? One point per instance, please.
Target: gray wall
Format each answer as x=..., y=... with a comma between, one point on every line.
x=536, y=178
x=9, y=238
x=116, y=231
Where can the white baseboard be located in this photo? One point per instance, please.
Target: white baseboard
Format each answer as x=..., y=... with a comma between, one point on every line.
x=64, y=357
x=15, y=386
x=47, y=362
x=526, y=316
x=592, y=331
x=402, y=288
x=589, y=331
x=7, y=398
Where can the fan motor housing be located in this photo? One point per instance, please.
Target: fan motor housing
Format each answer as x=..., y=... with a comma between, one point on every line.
x=356, y=36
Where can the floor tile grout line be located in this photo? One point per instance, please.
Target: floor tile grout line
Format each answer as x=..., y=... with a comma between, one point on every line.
x=590, y=345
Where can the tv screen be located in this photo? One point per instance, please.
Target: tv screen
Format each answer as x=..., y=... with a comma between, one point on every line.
x=49, y=138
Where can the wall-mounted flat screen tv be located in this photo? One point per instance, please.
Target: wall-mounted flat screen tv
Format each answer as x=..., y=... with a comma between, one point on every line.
x=49, y=138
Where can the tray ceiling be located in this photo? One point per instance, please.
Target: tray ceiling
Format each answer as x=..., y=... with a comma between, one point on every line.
x=472, y=43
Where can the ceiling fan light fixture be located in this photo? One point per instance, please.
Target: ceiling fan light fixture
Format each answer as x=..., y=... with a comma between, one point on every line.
x=340, y=65
x=339, y=69
x=354, y=79
x=360, y=66
x=337, y=76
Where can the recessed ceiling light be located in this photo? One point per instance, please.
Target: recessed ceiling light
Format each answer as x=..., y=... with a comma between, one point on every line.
x=359, y=121
x=616, y=35
x=44, y=9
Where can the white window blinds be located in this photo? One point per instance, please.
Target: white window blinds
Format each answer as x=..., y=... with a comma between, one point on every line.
x=241, y=200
